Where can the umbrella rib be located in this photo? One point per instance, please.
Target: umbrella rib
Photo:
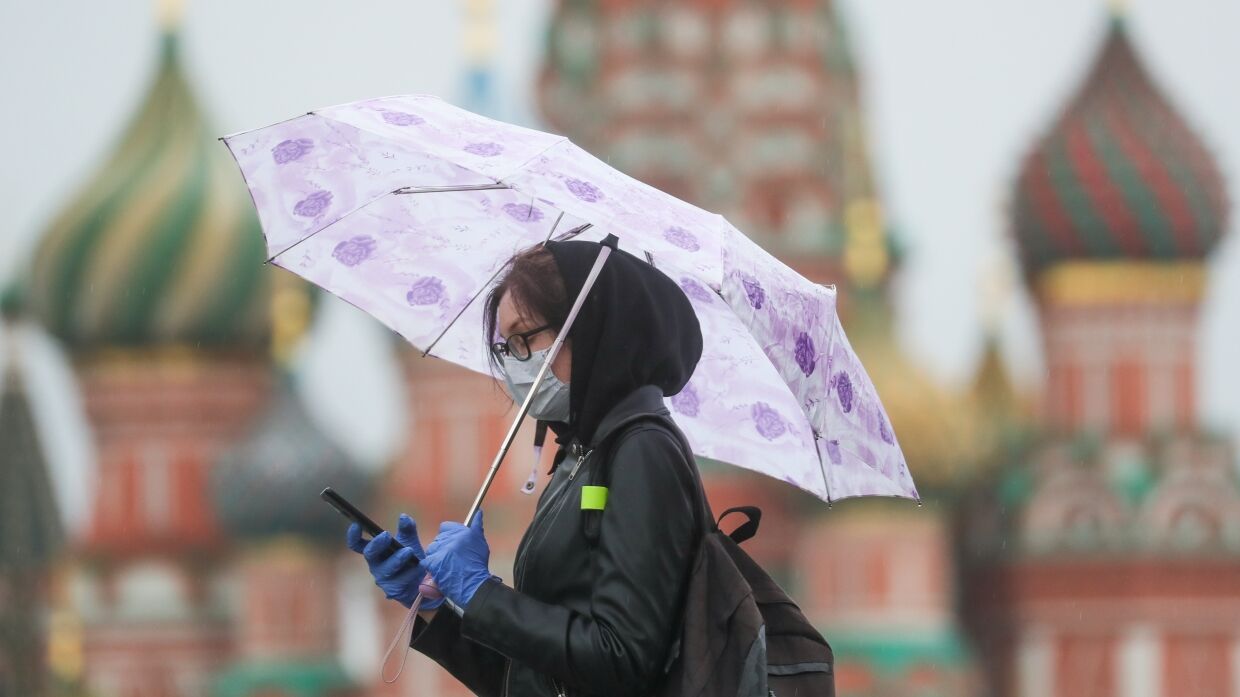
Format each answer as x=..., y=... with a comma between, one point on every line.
x=284, y=251
x=402, y=190
x=574, y=232
x=484, y=287
x=821, y=464
x=441, y=189
x=463, y=309
x=554, y=225
x=571, y=233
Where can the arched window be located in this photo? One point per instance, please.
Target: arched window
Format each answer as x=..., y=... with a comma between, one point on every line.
x=576, y=46
x=1193, y=527
x=747, y=33
x=1082, y=526
x=685, y=32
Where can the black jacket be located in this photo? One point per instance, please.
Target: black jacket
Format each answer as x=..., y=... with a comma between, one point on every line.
x=583, y=618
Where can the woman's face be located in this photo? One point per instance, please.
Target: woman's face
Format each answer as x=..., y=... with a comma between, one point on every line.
x=510, y=321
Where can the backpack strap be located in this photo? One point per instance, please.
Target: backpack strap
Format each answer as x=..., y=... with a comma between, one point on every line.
x=600, y=474
x=747, y=529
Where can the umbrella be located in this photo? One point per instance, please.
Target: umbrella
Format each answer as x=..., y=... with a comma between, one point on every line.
x=408, y=206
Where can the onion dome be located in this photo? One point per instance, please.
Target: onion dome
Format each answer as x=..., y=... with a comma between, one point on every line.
x=1120, y=176
x=30, y=530
x=269, y=484
x=162, y=245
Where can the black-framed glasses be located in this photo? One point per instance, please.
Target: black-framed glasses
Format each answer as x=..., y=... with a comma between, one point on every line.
x=517, y=345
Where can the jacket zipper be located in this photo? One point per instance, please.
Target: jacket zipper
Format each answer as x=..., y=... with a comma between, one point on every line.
x=577, y=466
x=547, y=513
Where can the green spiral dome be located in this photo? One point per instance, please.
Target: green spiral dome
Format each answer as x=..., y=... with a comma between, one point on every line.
x=162, y=246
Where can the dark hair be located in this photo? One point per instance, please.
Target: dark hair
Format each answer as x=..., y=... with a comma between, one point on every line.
x=537, y=288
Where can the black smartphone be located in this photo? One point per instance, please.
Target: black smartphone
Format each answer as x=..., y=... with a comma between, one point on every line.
x=351, y=512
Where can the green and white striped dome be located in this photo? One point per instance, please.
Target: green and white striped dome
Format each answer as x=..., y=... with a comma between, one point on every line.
x=162, y=246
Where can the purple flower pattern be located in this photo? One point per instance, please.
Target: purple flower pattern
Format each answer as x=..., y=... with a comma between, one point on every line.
x=292, y=149
x=833, y=452
x=484, y=149
x=681, y=238
x=686, y=401
x=523, y=212
x=804, y=354
x=844, y=391
x=694, y=290
x=769, y=423
x=428, y=290
x=313, y=204
x=354, y=251
x=401, y=118
x=884, y=432
x=584, y=190
x=754, y=293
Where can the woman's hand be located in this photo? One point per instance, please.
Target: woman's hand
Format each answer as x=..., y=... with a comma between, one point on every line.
x=396, y=573
x=457, y=559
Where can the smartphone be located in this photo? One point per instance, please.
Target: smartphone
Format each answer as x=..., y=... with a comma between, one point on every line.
x=351, y=512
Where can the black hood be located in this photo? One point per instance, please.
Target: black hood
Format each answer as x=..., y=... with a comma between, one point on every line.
x=636, y=328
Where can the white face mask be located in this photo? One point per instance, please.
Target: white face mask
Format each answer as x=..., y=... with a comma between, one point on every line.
x=551, y=401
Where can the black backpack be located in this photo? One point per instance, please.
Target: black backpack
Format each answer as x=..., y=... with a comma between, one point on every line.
x=741, y=635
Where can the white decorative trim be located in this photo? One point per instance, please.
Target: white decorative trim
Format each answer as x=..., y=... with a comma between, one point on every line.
x=1035, y=663
x=1139, y=670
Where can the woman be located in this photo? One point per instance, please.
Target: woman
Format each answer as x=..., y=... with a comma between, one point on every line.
x=597, y=596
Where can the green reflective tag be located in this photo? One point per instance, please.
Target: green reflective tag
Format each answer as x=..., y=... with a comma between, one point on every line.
x=593, y=498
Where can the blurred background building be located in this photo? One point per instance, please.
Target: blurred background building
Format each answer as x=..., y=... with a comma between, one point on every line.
x=1103, y=559
x=1082, y=539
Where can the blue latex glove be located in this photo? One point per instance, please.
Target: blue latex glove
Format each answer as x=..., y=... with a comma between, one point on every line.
x=457, y=560
x=396, y=573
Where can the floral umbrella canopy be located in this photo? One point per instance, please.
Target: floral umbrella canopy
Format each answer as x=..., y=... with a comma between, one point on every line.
x=407, y=207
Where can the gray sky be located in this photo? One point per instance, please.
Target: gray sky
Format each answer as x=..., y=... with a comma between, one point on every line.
x=955, y=92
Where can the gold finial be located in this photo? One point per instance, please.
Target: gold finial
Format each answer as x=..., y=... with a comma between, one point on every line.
x=479, y=35
x=997, y=284
x=170, y=13
x=1119, y=8
x=290, y=315
x=64, y=645
x=865, y=251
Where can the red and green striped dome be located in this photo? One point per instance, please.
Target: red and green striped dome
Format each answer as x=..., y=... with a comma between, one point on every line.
x=162, y=246
x=1119, y=176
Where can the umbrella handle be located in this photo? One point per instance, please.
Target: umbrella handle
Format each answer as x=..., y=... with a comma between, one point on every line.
x=606, y=247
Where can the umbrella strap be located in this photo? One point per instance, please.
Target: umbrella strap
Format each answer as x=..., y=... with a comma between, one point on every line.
x=404, y=631
x=540, y=437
